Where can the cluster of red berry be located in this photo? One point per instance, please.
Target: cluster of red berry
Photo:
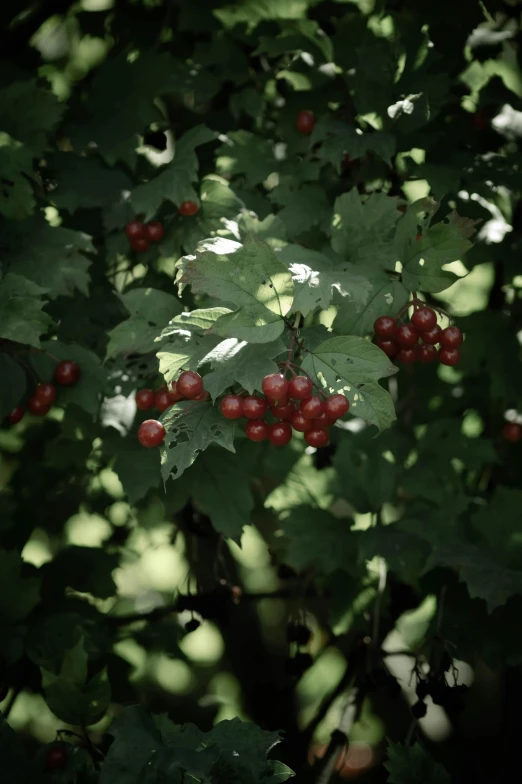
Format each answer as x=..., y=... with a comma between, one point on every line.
x=142, y=234
x=401, y=341
x=66, y=374
x=305, y=122
x=189, y=386
x=292, y=404
x=512, y=432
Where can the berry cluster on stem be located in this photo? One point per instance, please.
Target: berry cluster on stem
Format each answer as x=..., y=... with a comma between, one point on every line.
x=142, y=234
x=189, y=386
x=67, y=373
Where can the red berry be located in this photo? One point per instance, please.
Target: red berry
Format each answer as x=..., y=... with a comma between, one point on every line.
x=189, y=384
x=451, y=337
x=140, y=244
x=385, y=326
x=188, y=208
x=418, y=236
x=163, y=399
x=389, y=347
x=426, y=353
x=256, y=430
x=56, y=758
x=282, y=410
x=512, y=431
x=67, y=373
x=280, y=433
x=317, y=438
x=433, y=336
x=135, y=230
x=300, y=387
x=312, y=407
x=336, y=406
x=300, y=423
x=145, y=399
x=323, y=422
x=407, y=356
x=424, y=319
x=305, y=122
x=154, y=231
x=37, y=407
x=202, y=396
x=254, y=407
x=449, y=356
x=175, y=395
x=231, y=407
x=46, y=393
x=151, y=433
x=406, y=335
x=16, y=415
x=275, y=386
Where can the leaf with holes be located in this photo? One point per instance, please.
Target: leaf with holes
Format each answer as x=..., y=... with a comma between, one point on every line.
x=363, y=231
x=386, y=297
x=238, y=362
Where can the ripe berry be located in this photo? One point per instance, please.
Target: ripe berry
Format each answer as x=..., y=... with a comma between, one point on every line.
x=280, y=434
x=144, y=399
x=135, y=230
x=419, y=710
x=175, y=394
x=231, y=407
x=323, y=421
x=407, y=356
x=449, y=356
x=56, y=758
x=188, y=208
x=202, y=396
x=16, y=415
x=282, y=411
x=451, y=337
x=254, y=407
x=189, y=384
x=163, y=399
x=300, y=387
x=300, y=423
x=424, y=319
x=275, y=386
x=317, y=438
x=406, y=335
x=312, y=407
x=46, y=393
x=305, y=122
x=151, y=433
x=389, y=347
x=512, y=431
x=154, y=231
x=192, y=625
x=140, y=245
x=426, y=353
x=67, y=373
x=433, y=336
x=385, y=327
x=256, y=430
x=336, y=406
x=37, y=407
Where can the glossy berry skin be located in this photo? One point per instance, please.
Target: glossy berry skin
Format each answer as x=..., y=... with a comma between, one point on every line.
x=424, y=319
x=336, y=406
x=46, y=393
x=154, y=231
x=389, y=347
x=16, y=415
x=140, y=244
x=433, y=336
x=312, y=407
x=254, y=407
x=188, y=208
x=449, y=356
x=175, y=395
x=280, y=434
x=256, y=430
x=512, y=431
x=202, y=396
x=406, y=335
x=323, y=421
x=317, y=438
x=56, y=758
x=426, y=353
x=300, y=387
x=300, y=423
x=135, y=230
x=305, y=122
x=67, y=373
x=144, y=399
x=231, y=407
x=275, y=386
x=163, y=399
x=451, y=337
x=282, y=411
x=189, y=384
x=406, y=356
x=385, y=327
x=37, y=407
x=151, y=433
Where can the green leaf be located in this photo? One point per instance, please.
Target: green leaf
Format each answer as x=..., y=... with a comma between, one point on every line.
x=386, y=297
x=150, y=310
x=242, y=363
x=352, y=365
x=84, y=182
x=245, y=153
x=21, y=317
x=363, y=231
x=499, y=522
x=191, y=428
x=49, y=638
x=278, y=772
x=248, y=276
x=16, y=193
x=317, y=538
x=373, y=477
x=297, y=36
x=413, y=764
x=29, y=113
x=304, y=485
x=252, y=12
x=301, y=208
x=13, y=384
x=19, y=593
x=137, y=469
x=15, y=762
x=87, y=392
x=186, y=352
x=336, y=138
